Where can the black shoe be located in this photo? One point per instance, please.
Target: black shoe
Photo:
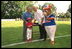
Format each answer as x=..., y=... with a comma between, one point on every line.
x=44, y=39
x=40, y=38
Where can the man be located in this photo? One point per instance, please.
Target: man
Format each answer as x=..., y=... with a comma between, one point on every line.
x=26, y=15
x=38, y=15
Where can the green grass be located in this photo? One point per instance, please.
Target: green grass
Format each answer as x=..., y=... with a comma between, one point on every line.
x=45, y=44
x=12, y=32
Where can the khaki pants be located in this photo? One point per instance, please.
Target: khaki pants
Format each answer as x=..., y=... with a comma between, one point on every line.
x=51, y=31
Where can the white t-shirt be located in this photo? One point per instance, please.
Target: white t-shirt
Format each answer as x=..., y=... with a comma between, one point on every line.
x=38, y=15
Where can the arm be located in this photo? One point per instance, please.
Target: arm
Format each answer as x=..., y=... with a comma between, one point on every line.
x=42, y=20
x=50, y=18
x=34, y=19
x=23, y=17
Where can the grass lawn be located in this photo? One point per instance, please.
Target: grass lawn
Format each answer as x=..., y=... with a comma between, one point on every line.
x=12, y=32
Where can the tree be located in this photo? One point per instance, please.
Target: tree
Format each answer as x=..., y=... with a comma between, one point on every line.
x=69, y=8
x=14, y=9
x=40, y=7
x=68, y=14
x=8, y=9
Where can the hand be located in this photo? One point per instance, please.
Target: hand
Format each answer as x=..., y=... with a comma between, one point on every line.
x=41, y=24
x=25, y=21
x=33, y=21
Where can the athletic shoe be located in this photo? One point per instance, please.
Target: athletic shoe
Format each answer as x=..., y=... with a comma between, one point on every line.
x=52, y=42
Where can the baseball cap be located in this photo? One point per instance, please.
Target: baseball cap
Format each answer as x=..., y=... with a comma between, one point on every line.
x=29, y=18
x=47, y=7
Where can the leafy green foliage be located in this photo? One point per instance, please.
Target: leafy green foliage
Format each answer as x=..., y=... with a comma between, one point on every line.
x=14, y=9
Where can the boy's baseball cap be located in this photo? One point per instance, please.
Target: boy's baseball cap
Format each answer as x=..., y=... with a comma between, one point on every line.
x=29, y=18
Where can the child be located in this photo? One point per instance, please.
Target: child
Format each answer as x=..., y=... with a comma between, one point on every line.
x=29, y=29
x=49, y=23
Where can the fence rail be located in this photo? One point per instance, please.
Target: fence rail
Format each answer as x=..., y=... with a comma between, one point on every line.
x=57, y=19
x=63, y=19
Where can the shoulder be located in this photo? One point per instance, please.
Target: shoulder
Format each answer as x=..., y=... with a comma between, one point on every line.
x=31, y=13
x=39, y=10
x=24, y=12
x=52, y=15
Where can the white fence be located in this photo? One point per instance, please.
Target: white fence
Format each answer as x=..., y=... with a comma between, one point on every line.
x=7, y=19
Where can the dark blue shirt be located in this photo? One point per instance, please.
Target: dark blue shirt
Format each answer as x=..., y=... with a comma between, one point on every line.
x=52, y=22
x=26, y=15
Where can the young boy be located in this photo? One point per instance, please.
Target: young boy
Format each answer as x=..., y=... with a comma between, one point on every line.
x=29, y=29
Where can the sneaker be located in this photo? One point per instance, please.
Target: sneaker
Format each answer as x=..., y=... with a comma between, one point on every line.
x=44, y=39
x=30, y=39
x=52, y=42
x=27, y=40
x=40, y=38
